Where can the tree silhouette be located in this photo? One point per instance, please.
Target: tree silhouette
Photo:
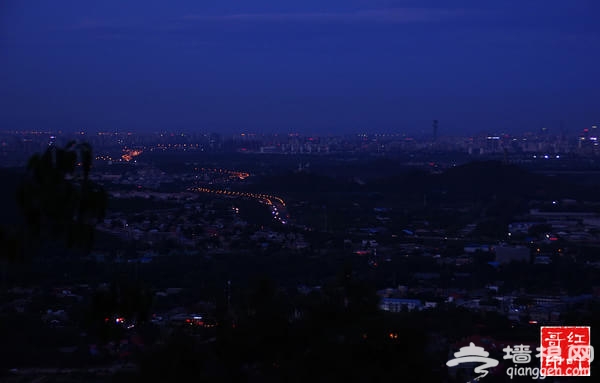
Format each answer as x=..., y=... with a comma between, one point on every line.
x=59, y=203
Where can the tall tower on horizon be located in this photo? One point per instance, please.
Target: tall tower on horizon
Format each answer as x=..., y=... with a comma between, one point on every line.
x=435, y=130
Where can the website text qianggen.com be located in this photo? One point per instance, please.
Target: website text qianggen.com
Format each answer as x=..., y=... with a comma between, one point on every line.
x=541, y=373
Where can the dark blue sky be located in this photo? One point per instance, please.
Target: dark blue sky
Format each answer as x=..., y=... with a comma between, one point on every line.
x=307, y=66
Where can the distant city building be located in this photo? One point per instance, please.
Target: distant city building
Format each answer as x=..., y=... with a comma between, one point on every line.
x=399, y=304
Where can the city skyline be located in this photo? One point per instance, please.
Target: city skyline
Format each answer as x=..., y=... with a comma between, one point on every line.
x=340, y=67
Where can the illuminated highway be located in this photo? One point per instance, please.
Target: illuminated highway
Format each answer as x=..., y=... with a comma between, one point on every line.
x=275, y=204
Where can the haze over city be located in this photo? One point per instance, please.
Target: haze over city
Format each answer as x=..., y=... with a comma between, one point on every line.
x=309, y=67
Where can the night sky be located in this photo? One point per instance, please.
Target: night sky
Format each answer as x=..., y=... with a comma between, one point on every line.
x=300, y=66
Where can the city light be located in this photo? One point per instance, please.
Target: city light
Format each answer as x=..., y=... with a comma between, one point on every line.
x=129, y=154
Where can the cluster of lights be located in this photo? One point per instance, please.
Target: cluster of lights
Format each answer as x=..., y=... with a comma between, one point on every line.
x=176, y=146
x=129, y=154
x=275, y=213
x=35, y=132
x=196, y=320
x=546, y=156
x=104, y=158
x=120, y=321
x=112, y=133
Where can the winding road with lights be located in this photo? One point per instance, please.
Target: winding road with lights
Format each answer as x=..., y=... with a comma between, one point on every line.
x=275, y=204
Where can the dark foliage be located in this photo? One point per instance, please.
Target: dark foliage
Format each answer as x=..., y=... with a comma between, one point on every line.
x=58, y=200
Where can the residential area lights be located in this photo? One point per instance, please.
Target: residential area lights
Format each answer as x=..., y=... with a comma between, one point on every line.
x=241, y=175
